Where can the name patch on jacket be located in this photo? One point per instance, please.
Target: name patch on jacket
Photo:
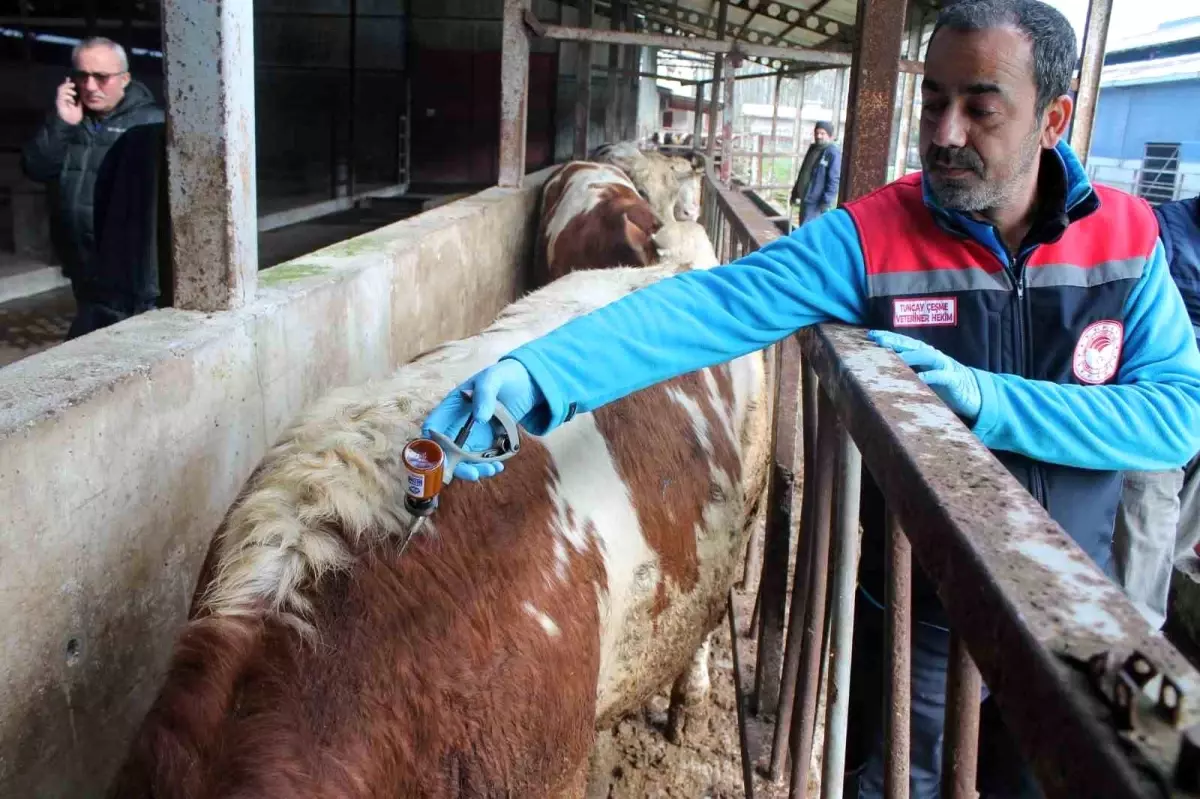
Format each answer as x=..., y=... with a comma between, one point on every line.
x=1098, y=351
x=925, y=312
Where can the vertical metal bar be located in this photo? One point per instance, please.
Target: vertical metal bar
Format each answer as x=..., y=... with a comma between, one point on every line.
x=718, y=63
x=733, y=61
x=1090, y=64
x=696, y=123
x=801, y=577
x=898, y=644
x=352, y=148
x=777, y=536
x=960, y=747
x=874, y=68
x=612, y=80
x=210, y=152
x=804, y=708
x=841, y=78
x=633, y=58
x=774, y=127
x=583, y=82
x=26, y=33
x=514, y=93
x=916, y=21
x=845, y=572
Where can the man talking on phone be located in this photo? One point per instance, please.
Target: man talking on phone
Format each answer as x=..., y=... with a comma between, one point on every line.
x=102, y=145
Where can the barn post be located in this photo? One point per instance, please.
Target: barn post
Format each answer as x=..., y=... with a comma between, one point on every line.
x=514, y=93
x=583, y=82
x=697, y=129
x=718, y=62
x=210, y=152
x=612, y=84
x=735, y=61
x=873, y=71
x=1090, y=65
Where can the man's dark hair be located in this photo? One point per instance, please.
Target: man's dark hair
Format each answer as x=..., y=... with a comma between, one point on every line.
x=1052, y=37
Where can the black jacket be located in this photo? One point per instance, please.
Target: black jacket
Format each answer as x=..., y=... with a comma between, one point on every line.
x=91, y=175
x=1179, y=228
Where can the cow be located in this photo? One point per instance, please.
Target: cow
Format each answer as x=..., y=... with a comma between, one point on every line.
x=592, y=216
x=670, y=183
x=322, y=658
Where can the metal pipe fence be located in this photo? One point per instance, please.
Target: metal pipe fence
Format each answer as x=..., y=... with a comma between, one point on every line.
x=1098, y=703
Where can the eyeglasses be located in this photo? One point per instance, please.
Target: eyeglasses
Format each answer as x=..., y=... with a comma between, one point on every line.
x=81, y=76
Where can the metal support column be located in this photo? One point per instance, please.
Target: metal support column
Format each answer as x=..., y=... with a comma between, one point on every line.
x=612, y=83
x=210, y=151
x=1090, y=64
x=873, y=70
x=732, y=62
x=718, y=62
x=514, y=93
x=583, y=82
x=697, y=122
x=774, y=130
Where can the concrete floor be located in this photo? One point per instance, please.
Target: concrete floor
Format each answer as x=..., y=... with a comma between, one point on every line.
x=30, y=324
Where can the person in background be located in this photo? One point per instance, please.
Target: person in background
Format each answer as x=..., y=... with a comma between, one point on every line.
x=103, y=147
x=1158, y=521
x=816, y=188
x=1037, y=306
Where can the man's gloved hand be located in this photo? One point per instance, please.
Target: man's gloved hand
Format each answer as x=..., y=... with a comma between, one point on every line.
x=954, y=383
x=508, y=382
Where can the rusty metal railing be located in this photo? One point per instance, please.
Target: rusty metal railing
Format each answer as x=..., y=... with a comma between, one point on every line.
x=1098, y=703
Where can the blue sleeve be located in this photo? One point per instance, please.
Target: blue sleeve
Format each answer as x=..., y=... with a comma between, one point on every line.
x=1149, y=420
x=833, y=178
x=699, y=318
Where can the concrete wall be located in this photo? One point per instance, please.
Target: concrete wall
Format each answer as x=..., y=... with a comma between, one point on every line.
x=121, y=451
x=1122, y=173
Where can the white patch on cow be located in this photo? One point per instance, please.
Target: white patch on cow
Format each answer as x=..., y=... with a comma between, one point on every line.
x=560, y=560
x=335, y=467
x=541, y=618
x=696, y=414
x=582, y=193
x=723, y=412
x=591, y=487
x=695, y=681
x=685, y=244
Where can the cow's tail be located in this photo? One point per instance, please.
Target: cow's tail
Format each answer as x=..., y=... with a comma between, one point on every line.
x=171, y=754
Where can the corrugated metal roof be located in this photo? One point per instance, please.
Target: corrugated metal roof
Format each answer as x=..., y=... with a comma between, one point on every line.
x=823, y=24
x=1179, y=31
x=1159, y=70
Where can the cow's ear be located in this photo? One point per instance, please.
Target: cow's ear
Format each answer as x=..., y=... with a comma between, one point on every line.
x=640, y=241
x=697, y=161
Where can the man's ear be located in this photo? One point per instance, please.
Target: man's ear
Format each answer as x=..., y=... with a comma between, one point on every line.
x=1056, y=119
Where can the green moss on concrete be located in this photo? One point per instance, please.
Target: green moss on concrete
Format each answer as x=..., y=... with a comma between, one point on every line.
x=355, y=246
x=294, y=270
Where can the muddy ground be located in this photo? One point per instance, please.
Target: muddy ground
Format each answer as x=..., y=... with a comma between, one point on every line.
x=706, y=764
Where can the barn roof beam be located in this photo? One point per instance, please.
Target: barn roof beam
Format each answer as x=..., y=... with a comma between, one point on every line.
x=801, y=55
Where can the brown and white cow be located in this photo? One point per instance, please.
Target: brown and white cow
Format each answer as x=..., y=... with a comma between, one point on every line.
x=670, y=183
x=537, y=606
x=592, y=216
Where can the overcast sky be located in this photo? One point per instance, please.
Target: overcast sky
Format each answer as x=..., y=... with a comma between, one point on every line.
x=1129, y=17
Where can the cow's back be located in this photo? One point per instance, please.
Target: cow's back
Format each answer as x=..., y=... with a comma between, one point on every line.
x=319, y=662
x=592, y=217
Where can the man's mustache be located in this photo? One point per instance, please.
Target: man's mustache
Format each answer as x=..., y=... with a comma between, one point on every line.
x=954, y=158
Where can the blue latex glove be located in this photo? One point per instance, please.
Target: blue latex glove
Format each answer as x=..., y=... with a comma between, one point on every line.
x=507, y=381
x=954, y=383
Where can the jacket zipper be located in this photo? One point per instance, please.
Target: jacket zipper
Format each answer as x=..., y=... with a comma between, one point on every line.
x=1037, y=477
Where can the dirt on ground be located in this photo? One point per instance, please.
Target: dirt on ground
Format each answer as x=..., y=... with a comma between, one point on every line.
x=706, y=763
